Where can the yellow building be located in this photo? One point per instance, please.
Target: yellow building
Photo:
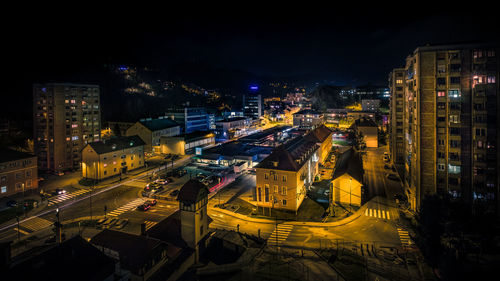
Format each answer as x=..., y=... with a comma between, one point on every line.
x=113, y=157
x=18, y=172
x=347, y=179
x=284, y=176
x=323, y=137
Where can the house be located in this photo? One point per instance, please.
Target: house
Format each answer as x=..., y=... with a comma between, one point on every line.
x=138, y=257
x=18, y=172
x=323, y=137
x=284, y=176
x=347, y=179
x=231, y=127
x=151, y=130
x=369, y=129
x=307, y=119
x=116, y=156
x=74, y=259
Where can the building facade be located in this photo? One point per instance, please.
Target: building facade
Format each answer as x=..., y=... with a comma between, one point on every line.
x=65, y=118
x=396, y=119
x=372, y=105
x=231, y=127
x=18, y=172
x=192, y=119
x=284, y=177
x=307, y=119
x=104, y=159
x=451, y=124
x=187, y=143
x=151, y=130
x=252, y=105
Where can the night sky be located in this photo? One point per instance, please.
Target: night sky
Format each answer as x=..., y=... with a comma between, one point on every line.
x=318, y=43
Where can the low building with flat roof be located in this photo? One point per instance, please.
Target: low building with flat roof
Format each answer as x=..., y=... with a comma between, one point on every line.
x=187, y=143
x=151, y=130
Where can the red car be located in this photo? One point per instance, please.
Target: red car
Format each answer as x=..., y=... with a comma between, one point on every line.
x=151, y=202
x=143, y=207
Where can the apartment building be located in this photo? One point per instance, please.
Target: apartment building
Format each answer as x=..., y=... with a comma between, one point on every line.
x=18, y=172
x=285, y=175
x=396, y=140
x=308, y=119
x=252, y=105
x=192, y=119
x=65, y=118
x=116, y=156
x=451, y=123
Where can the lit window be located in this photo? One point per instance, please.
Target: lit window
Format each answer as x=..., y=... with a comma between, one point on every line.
x=441, y=93
x=74, y=138
x=452, y=169
x=491, y=79
x=454, y=93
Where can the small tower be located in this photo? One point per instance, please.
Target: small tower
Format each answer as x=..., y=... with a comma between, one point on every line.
x=193, y=199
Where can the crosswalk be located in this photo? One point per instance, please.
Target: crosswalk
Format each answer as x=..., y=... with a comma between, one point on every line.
x=404, y=237
x=127, y=207
x=377, y=213
x=279, y=235
x=63, y=197
x=32, y=225
x=150, y=224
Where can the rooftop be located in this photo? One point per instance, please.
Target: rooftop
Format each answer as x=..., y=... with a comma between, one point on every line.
x=290, y=156
x=349, y=162
x=159, y=124
x=7, y=155
x=134, y=250
x=365, y=122
x=192, y=191
x=116, y=143
x=319, y=134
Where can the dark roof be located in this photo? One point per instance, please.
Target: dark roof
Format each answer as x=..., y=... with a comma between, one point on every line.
x=307, y=111
x=320, y=134
x=7, y=155
x=74, y=258
x=134, y=250
x=159, y=124
x=169, y=230
x=192, y=191
x=117, y=143
x=365, y=122
x=290, y=156
x=349, y=162
x=264, y=134
x=231, y=119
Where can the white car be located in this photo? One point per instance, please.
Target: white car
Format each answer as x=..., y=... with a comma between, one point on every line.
x=161, y=181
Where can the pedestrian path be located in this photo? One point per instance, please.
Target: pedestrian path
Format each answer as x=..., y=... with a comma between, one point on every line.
x=63, y=197
x=404, y=237
x=150, y=224
x=279, y=235
x=127, y=207
x=377, y=213
x=34, y=224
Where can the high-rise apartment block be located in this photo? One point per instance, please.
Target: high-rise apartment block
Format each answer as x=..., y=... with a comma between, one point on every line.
x=66, y=118
x=450, y=123
x=396, y=140
x=252, y=103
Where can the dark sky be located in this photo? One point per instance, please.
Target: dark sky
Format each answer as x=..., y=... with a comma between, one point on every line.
x=345, y=46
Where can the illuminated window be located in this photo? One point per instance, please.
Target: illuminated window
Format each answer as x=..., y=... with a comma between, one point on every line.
x=441, y=93
x=284, y=202
x=283, y=190
x=275, y=189
x=399, y=81
x=452, y=169
x=454, y=93
x=491, y=79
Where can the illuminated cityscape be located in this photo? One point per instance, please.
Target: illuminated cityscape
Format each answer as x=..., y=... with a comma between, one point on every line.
x=234, y=145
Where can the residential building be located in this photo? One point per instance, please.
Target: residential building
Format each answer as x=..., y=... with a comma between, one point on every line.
x=286, y=174
x=323, y=138
x=138, y=257
x=252, y=104
x=66, y=117
x=347, y=179
x=307, y=119
x=192, y=119
x=396, y=130
x=369, y=129
x=232, y=127
x=151, y=130
x=372, y=105
x=74, y=257
x=451, y=124
x=116, y=156
x=187, y=143
x=18, y=172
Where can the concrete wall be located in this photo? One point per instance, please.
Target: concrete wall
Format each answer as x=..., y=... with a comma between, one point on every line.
x=346, y=190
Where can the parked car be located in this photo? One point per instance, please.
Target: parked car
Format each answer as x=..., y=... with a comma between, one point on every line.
x=58, y=173
x=179, y=173
x=161, y=181
x=12, y=203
